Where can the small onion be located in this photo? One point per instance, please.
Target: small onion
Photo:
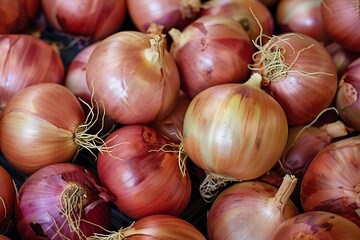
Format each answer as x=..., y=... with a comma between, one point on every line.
x=134, y=76
x=317, y=225
x=44, y=124
x=167, y=13
x=95, y=19
x=7, y=198
x=341, y=20
x=142, y=173
x=211, y=50
x=251, y=210
x=154, y=227
x=61, y=201
x=229, y=130
x=347, y=99
x=332, y=181
x=249, y=13
x=18, y=15
x=299, y=73
x=26, y=60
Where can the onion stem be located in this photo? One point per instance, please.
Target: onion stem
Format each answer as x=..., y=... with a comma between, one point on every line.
x=285, y=190
x=156, y=53
x=190, y=8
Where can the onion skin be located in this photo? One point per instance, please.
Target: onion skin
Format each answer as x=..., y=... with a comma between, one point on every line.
x=135, y=167
x=125, y=69
x=94, y=19
x=241, y=209
x=18, y=15
x=308, y=82
x=332, y=181
x=341, y=20
x=3, y=237
x=210, y=51
x=239, y=10
x=38, y=126
x=38, y=62
x=317, y=225
x=7, y=198
x=229, y=130
x=39, y=205
x=347, y=100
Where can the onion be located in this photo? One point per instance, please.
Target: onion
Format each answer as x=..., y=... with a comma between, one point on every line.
x=229, y=131
x=7, y=198
x=317, y=225
x=93, y=19
x=44, y=124
x=342, y=57
x=142, y=173
x=18, y=15
x=249, y=13
x=347, y=100
x=302, y=17
x=134, y=76
x=61, y=201
x=210, y=51
x=332, y=181
x=25, y=61
x=167, y=13
x=341, y=20
x=157, y=226
x=244, y=208
x=299, y=73
x=3, y=237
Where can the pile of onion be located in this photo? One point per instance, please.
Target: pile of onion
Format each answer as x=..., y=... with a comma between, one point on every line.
x=45, y=124
x=94, y=19
x=134, y=76
x=7, y=198
x=62, y=201
x=229, y=131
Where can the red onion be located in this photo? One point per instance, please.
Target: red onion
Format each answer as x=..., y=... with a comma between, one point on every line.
x=332, y=181
x=210, y=51
x=25, y=61
x=241, y=210
x=153, y=227
x=18, y=15
x=61, y=201
x=317, y=225
x=341, y=20
x=142, y=172
x=299, y=73
x=347, y=100
x=95, y=19
x=342, y=57
x=167, y=13
x=302, y=17
x=7, y=198
x=249, y=13
x=134, y=76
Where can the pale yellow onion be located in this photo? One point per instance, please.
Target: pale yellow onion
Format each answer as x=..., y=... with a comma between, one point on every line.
x=235, y=130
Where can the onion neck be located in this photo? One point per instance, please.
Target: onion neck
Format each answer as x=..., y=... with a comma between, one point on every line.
x=335, y=129
x=284, y=192
x=190, y=8
x=255, y=80
x=156, y=53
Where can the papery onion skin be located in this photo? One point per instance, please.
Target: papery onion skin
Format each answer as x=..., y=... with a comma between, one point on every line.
x=302, y=17
x=341, y=20
x=136, y=82
x=95, y=19
x=307, y=82
x=210, y=51
x=347, y=99
x=229, y=130
x=243, y=208
x=18, y=15
x=240, y=10
x=38, y=208
x=144, y=178
x=7, y=198
x=332, y=181
x=167, y=13
x=317, y=225
x=38, y=126
x=25, y=61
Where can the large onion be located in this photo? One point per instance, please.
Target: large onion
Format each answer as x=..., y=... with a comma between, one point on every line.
x=134, y=76
x=7, y=198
